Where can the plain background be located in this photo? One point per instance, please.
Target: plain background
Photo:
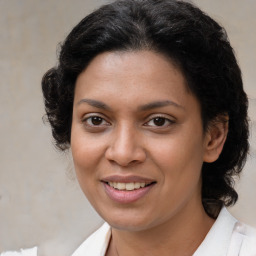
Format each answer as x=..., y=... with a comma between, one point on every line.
x=40, y=201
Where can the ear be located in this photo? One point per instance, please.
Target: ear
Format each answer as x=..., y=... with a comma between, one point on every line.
x=215, y=138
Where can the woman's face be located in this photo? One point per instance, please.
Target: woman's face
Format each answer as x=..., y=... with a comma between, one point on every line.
x=137, y=140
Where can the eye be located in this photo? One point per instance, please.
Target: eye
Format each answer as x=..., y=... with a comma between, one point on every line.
x=95, y=121
x=159, y=122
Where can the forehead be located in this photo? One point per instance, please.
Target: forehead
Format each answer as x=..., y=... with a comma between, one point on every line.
x=136, y=75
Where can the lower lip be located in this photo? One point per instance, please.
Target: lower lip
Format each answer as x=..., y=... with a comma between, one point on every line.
x=126, y=196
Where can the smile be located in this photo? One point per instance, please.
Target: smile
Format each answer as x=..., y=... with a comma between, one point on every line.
x=127, y=186
x=124, y=190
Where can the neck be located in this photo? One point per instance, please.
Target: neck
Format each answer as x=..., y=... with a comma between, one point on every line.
x=180, y=236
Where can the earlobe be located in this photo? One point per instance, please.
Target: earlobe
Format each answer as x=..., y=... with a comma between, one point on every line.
x=215, y=139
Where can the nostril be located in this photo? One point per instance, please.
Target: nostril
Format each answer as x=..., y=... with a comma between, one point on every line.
x=134, y=161
x=124, y=163
x=124, y=153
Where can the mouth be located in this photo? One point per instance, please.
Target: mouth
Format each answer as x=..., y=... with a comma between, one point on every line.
x=129, y=186
x=127, y=189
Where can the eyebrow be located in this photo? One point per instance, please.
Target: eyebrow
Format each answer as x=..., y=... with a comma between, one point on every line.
x=94, y=103
x=159, y=104
x=149, y=106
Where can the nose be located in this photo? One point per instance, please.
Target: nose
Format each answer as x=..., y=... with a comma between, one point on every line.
x=125, y=147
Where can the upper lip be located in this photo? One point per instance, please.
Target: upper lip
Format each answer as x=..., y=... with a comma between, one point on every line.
x=127, y=179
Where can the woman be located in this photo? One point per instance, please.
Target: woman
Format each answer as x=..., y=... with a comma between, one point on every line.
x=149, y=97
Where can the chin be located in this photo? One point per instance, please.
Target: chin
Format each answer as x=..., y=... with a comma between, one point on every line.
x=129, y=222
x=131, y=226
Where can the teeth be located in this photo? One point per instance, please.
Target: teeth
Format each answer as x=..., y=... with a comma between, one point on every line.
x=120, y=186
x=143, y=184
x=127, y=186
x=137, y=185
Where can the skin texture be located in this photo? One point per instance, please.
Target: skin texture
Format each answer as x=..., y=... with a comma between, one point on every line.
x=127, y=139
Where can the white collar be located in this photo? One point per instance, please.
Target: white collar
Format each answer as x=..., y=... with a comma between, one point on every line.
x=96, y=244
x=217, y=240
x=225, y=238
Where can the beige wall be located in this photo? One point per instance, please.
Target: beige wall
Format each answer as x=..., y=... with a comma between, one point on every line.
x=40, y=203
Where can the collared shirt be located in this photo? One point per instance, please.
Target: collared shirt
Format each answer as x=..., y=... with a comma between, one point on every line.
x=22, y=252
x=227, y=237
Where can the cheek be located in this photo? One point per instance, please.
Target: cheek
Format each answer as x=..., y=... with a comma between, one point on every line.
x=86, y=153
x=86, y=160
x=179, y=152
x=180, y=160
x=84, y=148
x=83, y=154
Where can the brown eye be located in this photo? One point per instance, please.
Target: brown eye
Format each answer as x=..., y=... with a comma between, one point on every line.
x=159, y=121
x=94, y=121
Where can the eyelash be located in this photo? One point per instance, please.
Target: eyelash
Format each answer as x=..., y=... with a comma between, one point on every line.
x=86, y=121
x=166, y=120
x=162, y=118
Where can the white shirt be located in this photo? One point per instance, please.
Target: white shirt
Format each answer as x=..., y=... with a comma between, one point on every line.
x=227, y=237
x=26, y=252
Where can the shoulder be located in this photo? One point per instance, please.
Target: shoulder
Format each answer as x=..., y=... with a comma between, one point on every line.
x=96, y=244
x=22, y=252
x=244, y=237
x=228, y=237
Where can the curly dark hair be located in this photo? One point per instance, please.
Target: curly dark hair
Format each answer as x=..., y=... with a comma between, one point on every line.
x=194, y=41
